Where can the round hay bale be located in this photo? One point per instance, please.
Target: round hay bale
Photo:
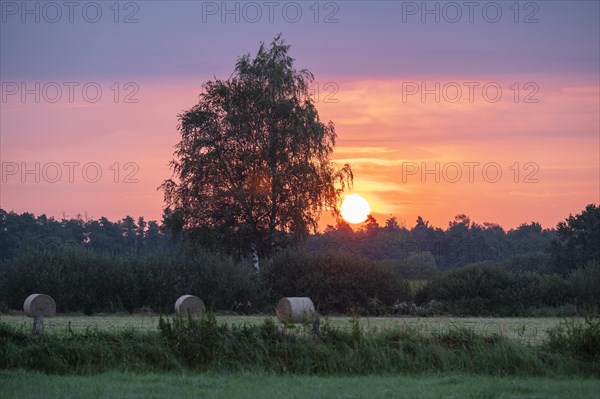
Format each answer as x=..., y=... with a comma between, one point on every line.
x=295, y=310
x=189, y=304
x=39, y=305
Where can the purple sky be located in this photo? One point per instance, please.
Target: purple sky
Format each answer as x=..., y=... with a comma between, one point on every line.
x=369, y=39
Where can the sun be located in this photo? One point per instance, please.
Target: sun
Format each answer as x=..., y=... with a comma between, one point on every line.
x=355, y=209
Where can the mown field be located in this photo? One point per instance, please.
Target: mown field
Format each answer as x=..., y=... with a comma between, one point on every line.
x=527, y=330
x=18, y=384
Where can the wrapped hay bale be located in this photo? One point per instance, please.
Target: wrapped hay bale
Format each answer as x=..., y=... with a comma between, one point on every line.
x=39, y=305
x=189, y=304
x=295, y=310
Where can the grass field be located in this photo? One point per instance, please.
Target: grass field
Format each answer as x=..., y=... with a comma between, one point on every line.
x=526, y=330
x=114, y=356
x=21, y=384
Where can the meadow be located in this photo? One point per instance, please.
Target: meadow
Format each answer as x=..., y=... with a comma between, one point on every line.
x=234, y=356
x=530, y=330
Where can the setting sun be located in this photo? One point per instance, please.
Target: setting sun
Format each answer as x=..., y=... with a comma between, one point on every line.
x=355, y=209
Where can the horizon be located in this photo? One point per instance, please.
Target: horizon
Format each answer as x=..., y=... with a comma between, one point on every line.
x=403, y=224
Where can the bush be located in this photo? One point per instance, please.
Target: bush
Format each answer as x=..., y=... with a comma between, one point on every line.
x=336, y=282
x=83, y=280
x=585, y=285
x=77, y=279
x=581, y=340
x=538, y=262
x=487, y=288
x=416, y=266
x=220, y=281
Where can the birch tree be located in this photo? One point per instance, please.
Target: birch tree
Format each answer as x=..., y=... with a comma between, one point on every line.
x=253, y=169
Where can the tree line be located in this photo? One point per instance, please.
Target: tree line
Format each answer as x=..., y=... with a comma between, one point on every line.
x=20, y=233
x=423, y=246
x=419, y=252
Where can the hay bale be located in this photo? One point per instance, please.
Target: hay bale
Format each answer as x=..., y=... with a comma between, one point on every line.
x=39, y=305
x=296, y=310
x=189, y=304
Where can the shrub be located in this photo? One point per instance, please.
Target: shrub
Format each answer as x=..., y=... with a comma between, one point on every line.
x=487, y=288
x=538, y=262
x=336, y=282
x=77, y=279
x=585, y=284
x=219, y=281
x=83, y=280
x=581, y=340
x=416, y=266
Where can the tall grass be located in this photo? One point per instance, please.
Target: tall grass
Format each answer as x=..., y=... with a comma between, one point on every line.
x=576, y=339
x=86, y=351
x=203, y=344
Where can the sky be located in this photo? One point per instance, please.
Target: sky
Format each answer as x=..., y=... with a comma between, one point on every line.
x=490, y=109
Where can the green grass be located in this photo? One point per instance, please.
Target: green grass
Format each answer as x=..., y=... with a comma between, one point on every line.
x=209, y=346
x=21, y=384
x=526, y=330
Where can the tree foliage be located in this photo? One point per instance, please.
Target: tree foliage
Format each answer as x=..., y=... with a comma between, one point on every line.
x=336, y=282
x=487, y=288
x=90, y=281
x=416, y=266
x=578, y=240
x=463, y=242
x=252, y=170
x=21, y=233
x=585, y=283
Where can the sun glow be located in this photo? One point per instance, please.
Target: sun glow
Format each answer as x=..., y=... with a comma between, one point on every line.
x=355, y=209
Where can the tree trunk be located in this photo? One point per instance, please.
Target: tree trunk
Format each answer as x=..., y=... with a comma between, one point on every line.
x=255, y=257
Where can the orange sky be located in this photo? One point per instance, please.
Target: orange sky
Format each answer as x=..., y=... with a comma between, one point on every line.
x=392, y=142
x=387, y=138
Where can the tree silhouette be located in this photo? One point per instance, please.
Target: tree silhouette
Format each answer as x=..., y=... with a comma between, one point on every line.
x=253, y=165
x=579, y=240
